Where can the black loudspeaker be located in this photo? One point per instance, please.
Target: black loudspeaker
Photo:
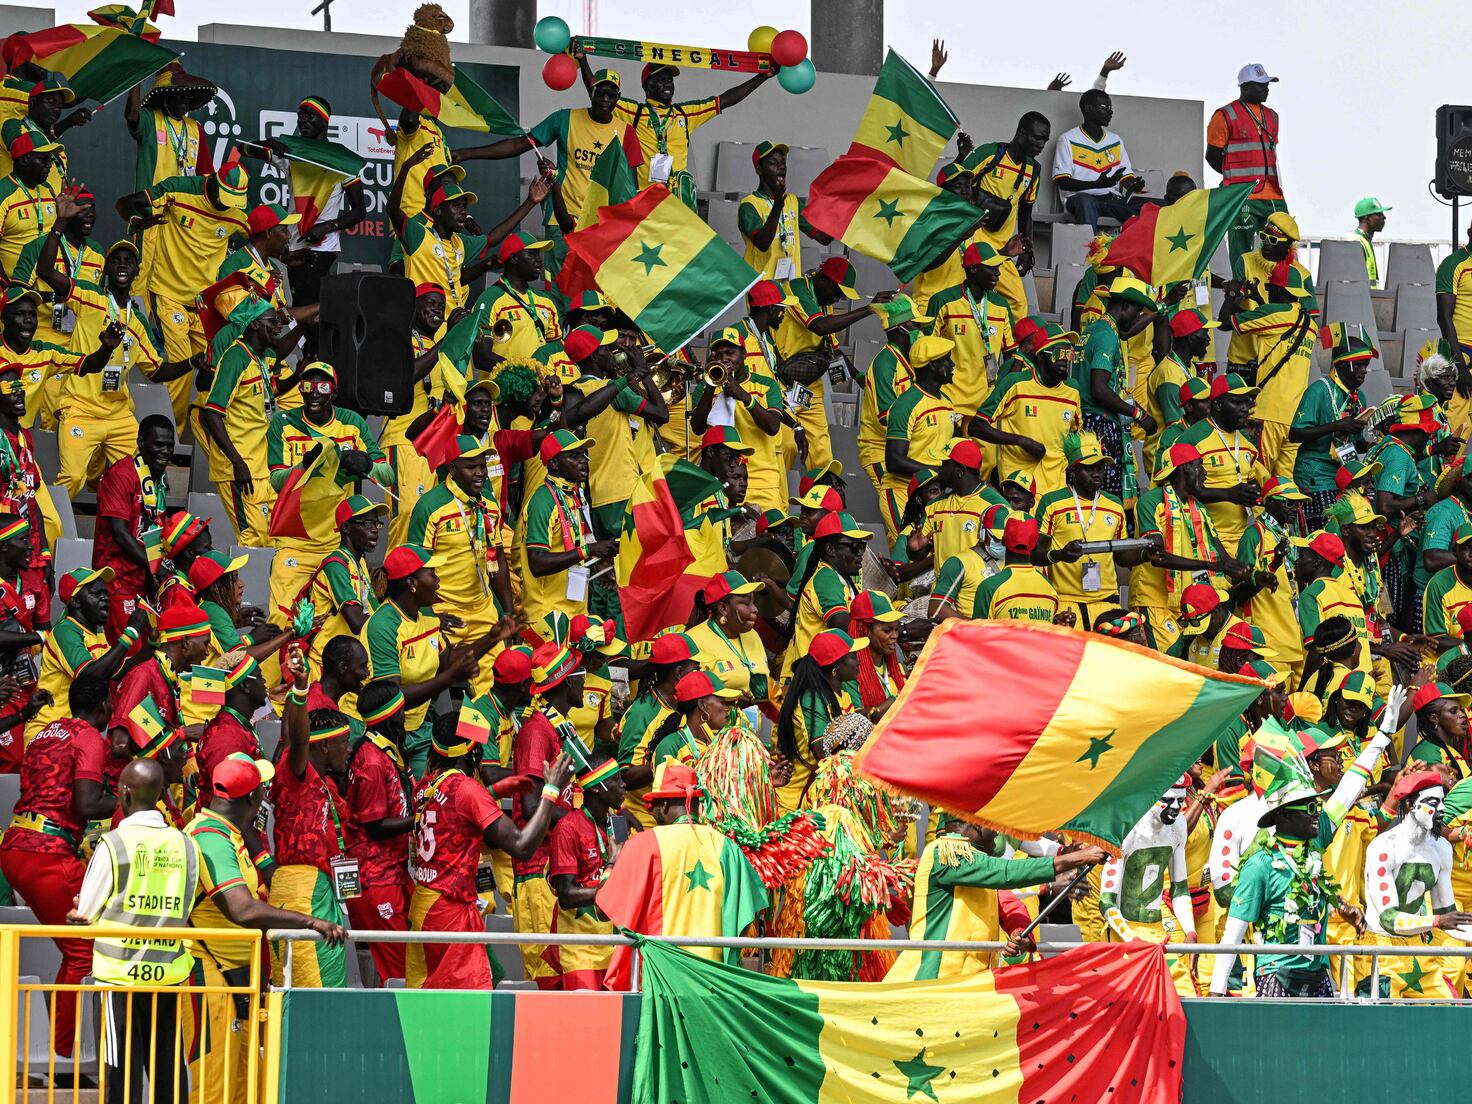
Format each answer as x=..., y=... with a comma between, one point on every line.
x=365, y=324
x=1453, y=151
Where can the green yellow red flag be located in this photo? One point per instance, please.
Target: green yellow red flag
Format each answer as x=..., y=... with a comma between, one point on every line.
x=653, y=553
x=317, y=169
x=99, y=62
x=1096, y=1023
x=906, y=123
x=1084, y=744
x=612, y=179
x=663, y=266
x=207, y=685
x=1162, y=245
x=475, y=721
x=309, y=486
x=145, y=724
x=466, y=105
x=888, y=214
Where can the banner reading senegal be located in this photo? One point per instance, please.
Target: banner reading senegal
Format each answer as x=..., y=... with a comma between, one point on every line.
x=1094, y=1024
x=683, y=57
x=1031, y=728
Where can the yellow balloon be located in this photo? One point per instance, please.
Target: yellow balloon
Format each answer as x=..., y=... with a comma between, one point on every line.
x=760, y=40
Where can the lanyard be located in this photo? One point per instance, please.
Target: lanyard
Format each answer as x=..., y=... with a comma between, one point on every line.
x=530, y=308
x=572, y=533
x=768, y=352
x=980, y=316
x=735, y=646
x=342, y=844
x=180, y=144
x=452, y=274
x=73, y=264
x=658, y=125
x=112, y=316
x=605, y=853
x=1234, y=449
x=477, y=536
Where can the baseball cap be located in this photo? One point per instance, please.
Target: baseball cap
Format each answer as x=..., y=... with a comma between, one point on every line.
x=1356, y=686
x=239, y=775
x=210, y=567
x=820, y=497
x=28, y=141
x=607, y=76
x=233, y=181
x=980, y=253
x=590, y=300
x=75, y=579
x=182, y=619
x=675, y=647
x=421, y=290
x=1354, y=471
x=897, y=311
x=727, y=437
x=702, y=684
x=730, y=335
x=560, y=441
x=1370, y=206
x=810, y=476
x=765, y=149
x=1231, y=384
x=513, y=665
x=1177, y=456
x=17, y=293
x=965, y=452
x=514, y=244
x=1050, y=335
x=467, y=447
x=950, y=172
x=1195, y=389
x=1084, y=448
x=1435, y=691
x=928, y=348
x=1463, y=533
x=404, y=561
x=726, y=584
x=1132, y=290
x=1361, y=511
x=1327, y=545
x=584, y=340
x=1186, y=322
x=766, y=293
x=652, y=68
x=1254, y=73
x=831, y=645
x=841, y=271
x=357, y=506
x=1197, y=600
x=1026, y=480
x=1282, y=487
x=1020, y=534
x=874, y=605
x=447, y=191
x=1244, y=636
x=267, y=216
x=839, y=524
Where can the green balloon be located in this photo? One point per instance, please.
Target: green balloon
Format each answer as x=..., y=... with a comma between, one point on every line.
x=798, y=78
x=552, y=35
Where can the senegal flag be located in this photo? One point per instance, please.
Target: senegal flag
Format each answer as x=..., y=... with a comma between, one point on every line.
x=304, y=498
x=906, y=124
x=664, y=267
x=317, y=169
x=652, y=554
x=98, y=62
x=1088, y=1025
x=466, y=105
x=680, y=879
x=207, y=685
x=145, y=724
x=1085, y=743
x=887, y=214
x=1161, y=245
x=612, y=179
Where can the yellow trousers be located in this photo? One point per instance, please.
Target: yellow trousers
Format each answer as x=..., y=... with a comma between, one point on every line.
x=1086, y=914
x=291, y=567
x=88, y=444
x=1278, y=454
x=249, y=513
x=220, y=1070
x=479, y=620
x=183, y=335
x=532, y=907
x=1412, y=978
x=1180, y=965
x=814, y=421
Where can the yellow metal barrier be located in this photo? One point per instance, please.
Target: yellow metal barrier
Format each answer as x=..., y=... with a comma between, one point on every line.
x=207, y=1041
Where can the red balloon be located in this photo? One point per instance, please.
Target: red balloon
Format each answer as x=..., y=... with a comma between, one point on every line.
x=789, y=48
x=560, y=72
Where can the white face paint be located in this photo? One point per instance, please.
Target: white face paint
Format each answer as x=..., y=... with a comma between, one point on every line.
x=1426, y=813
x=1171, y=804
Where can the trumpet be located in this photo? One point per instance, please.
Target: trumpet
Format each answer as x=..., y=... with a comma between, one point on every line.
x=717, y=373
x=668, y=377
x=501, y=331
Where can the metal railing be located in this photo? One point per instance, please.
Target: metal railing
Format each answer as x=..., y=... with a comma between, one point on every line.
x=114, y=1025
x=1345, y=953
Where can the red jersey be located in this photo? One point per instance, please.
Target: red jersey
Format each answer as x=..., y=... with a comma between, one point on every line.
x=62, y=752
x=317, y=699
x=153, y=676
x=578, y=847
x=20, y=476
x=225, y=734
x=376, y=792
x=310, y=817
x=120, y=495
x=451, y=814
x=537, y=742
x=20, y=601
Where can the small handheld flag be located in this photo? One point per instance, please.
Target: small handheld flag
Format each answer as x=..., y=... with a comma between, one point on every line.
x=146, y=725
x=207, y=685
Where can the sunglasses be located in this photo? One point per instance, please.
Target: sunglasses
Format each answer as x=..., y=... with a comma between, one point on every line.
x=316, y=387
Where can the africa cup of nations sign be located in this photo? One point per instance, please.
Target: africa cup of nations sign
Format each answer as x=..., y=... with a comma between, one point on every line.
x=259, y=90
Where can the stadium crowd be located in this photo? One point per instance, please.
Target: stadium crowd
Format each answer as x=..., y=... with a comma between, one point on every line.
x=467, y=725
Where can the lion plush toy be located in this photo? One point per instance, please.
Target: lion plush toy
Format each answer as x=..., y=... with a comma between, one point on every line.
x=425, y=48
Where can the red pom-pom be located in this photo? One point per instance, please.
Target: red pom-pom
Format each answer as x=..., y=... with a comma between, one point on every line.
x=789, y=48
x=560, y=72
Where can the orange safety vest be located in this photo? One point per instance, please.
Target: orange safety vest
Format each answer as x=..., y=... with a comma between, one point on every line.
x=1251, y=153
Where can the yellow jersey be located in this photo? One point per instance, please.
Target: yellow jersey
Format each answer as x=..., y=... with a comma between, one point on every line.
x=193, y=237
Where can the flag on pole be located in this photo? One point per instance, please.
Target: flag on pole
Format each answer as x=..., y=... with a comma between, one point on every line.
x=475, y=721
x=153, y=545
x=99, y=63
x=906, y=124
x=652, y=553
x=612, y=180
x=318, y=168
x=1162, y=245
x=436, y=441
x=888, y=214
x=312, y=481
x=145, y=724
x=664, y=267
x=466, y=106
x=1084, y=745
x=207, y=685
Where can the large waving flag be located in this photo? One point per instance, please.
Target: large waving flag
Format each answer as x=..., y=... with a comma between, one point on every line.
x=99, y=63
x=466, y=105
x=664, y=267
x=887, y=214
x=906, y=124
x=1076, y=732
x=652, y=553
x=686, y=878
x=317, y=169
x=121, y=15
x=312, y=483
x=1162, y=245
x=1088, y=1025
x=612, y=179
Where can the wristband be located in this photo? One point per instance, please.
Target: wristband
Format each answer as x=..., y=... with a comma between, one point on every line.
x=298, y=697
x=550, y=792
x=129, y=634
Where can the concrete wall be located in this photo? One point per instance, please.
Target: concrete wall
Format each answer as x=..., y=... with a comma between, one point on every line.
x=14, y=19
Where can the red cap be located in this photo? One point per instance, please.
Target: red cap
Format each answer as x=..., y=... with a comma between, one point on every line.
x=764, y=293
x=262, y=218
x=580, y=344
x=1411, y=784
x=1185, y=323
x=672, y=648
x=184, y=614
x=404, y=561
x=831, y=645
x=1329, y=546
x=1020, y=534
x=1343, y=478
x=650, y=69
x=967, y=453
x=235, y=778
x=1198, y=598
x=510, y=246
x=1464, y=619
x=424, y=289
x=1024, y=328
x=513, y=666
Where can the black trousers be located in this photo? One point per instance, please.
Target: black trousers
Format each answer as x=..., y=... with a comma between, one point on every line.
x=148, y=1043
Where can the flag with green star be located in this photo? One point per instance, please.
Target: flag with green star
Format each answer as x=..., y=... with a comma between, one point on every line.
x=1086, y=1025
x=659, y=263
x=1077, y=733
x=886, y=213
x=680, y=879
x=906, y=124
x=1162, y=245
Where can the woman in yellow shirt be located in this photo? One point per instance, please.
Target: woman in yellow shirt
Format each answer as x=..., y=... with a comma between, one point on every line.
x=728, y=636
x=813, y=698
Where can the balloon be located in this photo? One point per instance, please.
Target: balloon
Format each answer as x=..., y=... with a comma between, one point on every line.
x=560, y=72
x=798, y=78
x=760, y=40
x=552, y=35
x=789, y=48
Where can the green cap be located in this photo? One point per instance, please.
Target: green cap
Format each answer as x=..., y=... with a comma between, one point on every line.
x=897, y=311
x=1369, y=206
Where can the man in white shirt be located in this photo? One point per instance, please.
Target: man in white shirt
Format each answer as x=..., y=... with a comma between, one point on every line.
x=1091, y=168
